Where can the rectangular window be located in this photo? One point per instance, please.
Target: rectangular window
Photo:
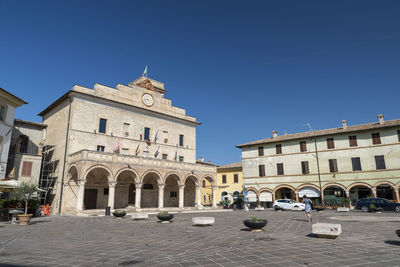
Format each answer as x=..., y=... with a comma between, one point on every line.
x=376, y=138
x=236, y=178
x=102, y=125
x=26, y=168
x=260, y=151
x=147, y=133
x=173, y=194
x=398, y=135
x=304, y=167
x=105, y=191
x=333, y=165
x=356, y=164
x=164, y=156
x=224, y=179
x=279, y=168
x=278, y=149
x=353, y=140
x=100, y=148
x=125, y=151
x=380, y=162
x=330, y=143
x=2, y=113
x=180, y=158
x=261, y=170
x=126, y=129
x=303, y=146
x=181, y=140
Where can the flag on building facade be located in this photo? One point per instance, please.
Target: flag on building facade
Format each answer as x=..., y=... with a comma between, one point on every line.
x=141, y=134
x=157, y=152
x=155, y=137
x=145, y=72
x=116, y=146
x=137, y=151
x=176, y=155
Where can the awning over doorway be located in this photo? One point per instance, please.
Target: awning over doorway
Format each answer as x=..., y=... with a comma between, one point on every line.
x=309, y=192
x=252, y=196
x=265, y=197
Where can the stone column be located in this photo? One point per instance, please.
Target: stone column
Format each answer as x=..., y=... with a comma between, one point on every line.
x=374, y=191
x=161, y=195
x=181, y=195
x=81, y=194
x=297, y=195
x=198, y=196
x=214, y=192
x=138, y=188
x=111, y=193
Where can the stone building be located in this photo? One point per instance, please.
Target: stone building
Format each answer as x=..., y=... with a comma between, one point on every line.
x=346, y=162
x=123, y=147
x=25, y=155
x=8, y=105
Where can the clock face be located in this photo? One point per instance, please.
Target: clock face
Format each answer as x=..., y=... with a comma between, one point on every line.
x=148, y=99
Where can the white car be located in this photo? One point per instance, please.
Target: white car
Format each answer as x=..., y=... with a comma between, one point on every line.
x=288, y=204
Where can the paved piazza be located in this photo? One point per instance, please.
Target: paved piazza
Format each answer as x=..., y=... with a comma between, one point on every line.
x=109, y=241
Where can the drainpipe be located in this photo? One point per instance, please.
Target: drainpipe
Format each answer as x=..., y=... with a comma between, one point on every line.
x=65, y=157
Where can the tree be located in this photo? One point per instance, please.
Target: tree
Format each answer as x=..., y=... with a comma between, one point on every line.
x=25, y=191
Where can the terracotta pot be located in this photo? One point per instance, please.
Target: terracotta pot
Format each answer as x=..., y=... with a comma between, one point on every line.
x=24, y=219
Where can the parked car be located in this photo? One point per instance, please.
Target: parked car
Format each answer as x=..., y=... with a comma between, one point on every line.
x=364, y=204
x=287, y=204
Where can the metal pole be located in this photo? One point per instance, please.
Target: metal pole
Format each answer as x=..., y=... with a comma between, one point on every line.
x=319, y=175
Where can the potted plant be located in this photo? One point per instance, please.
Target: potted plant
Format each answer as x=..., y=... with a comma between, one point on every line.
x=119, y=213
x=25, y=191
x=164, y=216
x=255, y=224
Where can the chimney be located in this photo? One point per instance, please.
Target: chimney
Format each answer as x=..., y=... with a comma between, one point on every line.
x=274, y=134
x=344, y=124
x=380, y=117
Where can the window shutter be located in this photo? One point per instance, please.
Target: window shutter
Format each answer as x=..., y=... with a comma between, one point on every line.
x=330, y=143
x=303, y=146
x=261, y=151
x=333, y=165
x=280, y=168
x=376, y=138
x=279, y=149
x=26, y=168
x=261, y=170
x=353, y=140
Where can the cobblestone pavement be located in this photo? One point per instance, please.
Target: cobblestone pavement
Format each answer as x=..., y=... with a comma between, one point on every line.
x=109, y=241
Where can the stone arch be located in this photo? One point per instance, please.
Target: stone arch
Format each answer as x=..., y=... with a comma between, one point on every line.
x=209, y=178
x=388, y=192
x=265, y=189
x=180, y=181
x=280, y=192
x=358, y=184
x=159, y=179
x=307, y=185
x=194, y=178
x=125, y=189
x=359, y=190
x=384, y=182
x=171, y=190
x=99, y=166
x=96, y=191
x=252, y=189
x=137, y=176
x=71, y=189
x=333, y=185
x=150, y=189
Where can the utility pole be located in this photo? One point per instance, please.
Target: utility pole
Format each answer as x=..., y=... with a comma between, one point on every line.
x=319, y=175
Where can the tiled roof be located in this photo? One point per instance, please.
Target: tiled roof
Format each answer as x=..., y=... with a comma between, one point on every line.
x=231, y=166
x=333, y=131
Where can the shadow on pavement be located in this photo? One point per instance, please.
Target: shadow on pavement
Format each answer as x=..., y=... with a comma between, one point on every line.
x=392, y=242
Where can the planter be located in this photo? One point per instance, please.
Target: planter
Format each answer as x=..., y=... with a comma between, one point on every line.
x=398, y=232
x=119, y=213
x=24, y=219
x=165, y=218
x=255, y=226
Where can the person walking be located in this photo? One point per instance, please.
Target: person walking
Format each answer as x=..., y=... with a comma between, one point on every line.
x=307, y=202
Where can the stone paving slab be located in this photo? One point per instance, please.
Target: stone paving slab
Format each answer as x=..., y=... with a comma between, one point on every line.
x=109, y=241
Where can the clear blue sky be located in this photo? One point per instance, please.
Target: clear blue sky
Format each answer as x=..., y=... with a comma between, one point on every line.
x=243, y=68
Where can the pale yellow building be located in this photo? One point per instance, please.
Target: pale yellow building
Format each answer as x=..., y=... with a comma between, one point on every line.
x=229, y=181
